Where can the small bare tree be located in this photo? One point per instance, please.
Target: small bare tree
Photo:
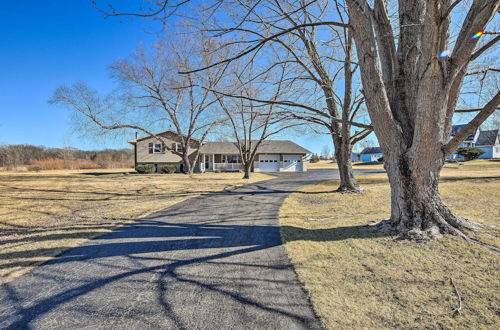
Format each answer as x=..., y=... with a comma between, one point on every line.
x=250, y=122
x=152, y=95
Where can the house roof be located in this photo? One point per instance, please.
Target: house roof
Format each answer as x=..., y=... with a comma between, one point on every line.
x=457, y=128
x=159, y=133
x=371, y=150
x=266, y=147
x=487, y=138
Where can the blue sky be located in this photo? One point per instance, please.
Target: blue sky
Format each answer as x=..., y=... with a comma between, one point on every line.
x=44, y=44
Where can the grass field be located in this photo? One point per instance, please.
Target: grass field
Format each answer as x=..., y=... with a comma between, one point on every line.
x=45, y=213
x=360, y=278
x=328, y=164
x=481, y=163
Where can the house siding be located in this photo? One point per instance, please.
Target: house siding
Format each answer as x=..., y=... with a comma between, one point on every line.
x=144, y=157
x=370, y=157
x=488, y=152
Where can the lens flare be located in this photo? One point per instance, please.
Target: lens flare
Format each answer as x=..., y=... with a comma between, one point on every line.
x=477, y=35
x=444, y=54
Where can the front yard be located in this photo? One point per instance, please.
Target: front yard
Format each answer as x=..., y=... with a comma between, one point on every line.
x=45, y=213
x=359, y=278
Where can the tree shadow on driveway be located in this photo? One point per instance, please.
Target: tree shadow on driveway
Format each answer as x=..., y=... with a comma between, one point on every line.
x=160, y=248
x=210, y=262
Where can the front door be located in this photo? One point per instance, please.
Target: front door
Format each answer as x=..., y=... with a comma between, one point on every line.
x=207, y=162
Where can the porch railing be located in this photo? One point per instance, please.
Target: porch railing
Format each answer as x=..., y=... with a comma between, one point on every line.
x=228, y=167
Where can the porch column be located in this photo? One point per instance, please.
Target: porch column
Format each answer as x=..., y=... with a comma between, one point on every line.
x=213, y=162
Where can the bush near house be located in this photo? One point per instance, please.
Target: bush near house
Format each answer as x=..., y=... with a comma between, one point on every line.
x=470, y=153
x=314, y=158
x=168, y=169
x=146, y=169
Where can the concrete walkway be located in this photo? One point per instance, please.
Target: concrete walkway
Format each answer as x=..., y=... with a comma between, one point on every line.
x=212, y=262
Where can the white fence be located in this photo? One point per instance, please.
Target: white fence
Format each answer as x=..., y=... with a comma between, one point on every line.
x=228, y=167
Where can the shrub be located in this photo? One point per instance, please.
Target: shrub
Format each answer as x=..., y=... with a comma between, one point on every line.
x=34, y=168
x=470, y=153
x=169, y=169
x=314, y=158
x=49, y=163
x=61, y=164
x=146, y=169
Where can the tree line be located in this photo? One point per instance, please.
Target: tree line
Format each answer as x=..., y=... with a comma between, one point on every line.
x=36, y=158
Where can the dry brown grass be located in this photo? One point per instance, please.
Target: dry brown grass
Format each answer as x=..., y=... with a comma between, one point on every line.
x=45, y=213
x=328, y=164
x=359, y=278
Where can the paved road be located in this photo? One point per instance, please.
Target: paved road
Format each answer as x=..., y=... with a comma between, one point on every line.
x=212, y=262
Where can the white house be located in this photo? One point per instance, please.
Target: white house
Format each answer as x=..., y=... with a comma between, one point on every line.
x=486, y=140
x=370, y=154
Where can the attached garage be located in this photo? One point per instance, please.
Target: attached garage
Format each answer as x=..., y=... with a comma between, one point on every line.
x=269, y=163
x=292, y=163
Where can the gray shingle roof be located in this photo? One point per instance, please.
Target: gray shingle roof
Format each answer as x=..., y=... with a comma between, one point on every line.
x=457, y=128
x=487, y=138
x=372, y=150
x=266, y=147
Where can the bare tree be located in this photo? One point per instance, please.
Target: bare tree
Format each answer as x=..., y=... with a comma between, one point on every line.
x=152, y=95
x=250, y=122
x=326, y=153
x=321, y=73
x=412, y=85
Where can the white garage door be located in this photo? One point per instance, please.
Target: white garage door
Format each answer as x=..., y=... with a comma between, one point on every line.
x=292, y=163
x=269, y=163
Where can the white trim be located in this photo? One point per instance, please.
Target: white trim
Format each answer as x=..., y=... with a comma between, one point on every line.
x=154, y=148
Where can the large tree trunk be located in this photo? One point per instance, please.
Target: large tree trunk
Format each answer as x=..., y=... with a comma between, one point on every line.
x=247, y=169
x=188, y=169
x=417, y=210
x=343, y=154
x=411, y=94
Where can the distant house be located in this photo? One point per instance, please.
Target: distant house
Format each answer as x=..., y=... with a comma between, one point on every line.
x=355, y=156
x=486, y=140
x=272, y=155
x=370, y=154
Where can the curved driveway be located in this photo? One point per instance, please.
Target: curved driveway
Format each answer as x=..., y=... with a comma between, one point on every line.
x=211, y=262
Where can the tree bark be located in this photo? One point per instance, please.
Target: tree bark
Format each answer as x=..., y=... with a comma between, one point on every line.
x=417, y=210
x=247, y=171
x=343, y=152
x=188, y=169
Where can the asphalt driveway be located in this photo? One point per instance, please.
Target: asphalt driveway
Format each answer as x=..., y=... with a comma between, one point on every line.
x=212, y=262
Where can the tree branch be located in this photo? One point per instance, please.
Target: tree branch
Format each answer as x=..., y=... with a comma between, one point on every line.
x=264, y=41
x=484, y=48
x=487, y=110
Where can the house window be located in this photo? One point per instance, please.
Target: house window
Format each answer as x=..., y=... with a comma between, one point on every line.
x=177, y=147
x=158, y=148
x=232, y=159
x=151, y=148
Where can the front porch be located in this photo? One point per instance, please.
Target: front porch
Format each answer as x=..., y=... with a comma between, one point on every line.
x=220, y=163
